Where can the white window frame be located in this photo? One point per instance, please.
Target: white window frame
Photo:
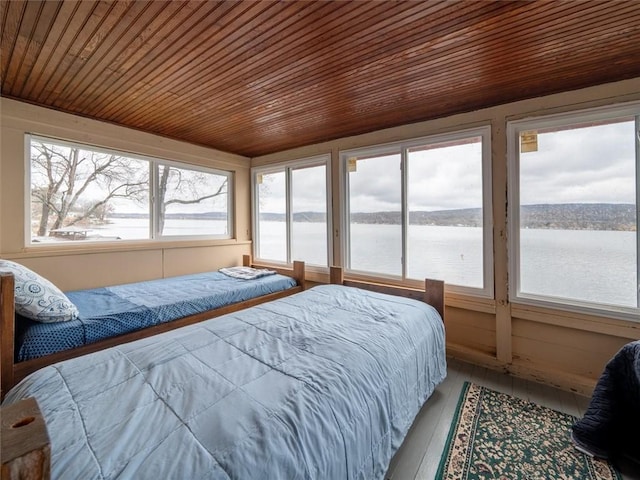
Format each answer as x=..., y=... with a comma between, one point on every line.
x=288, y=167
x=514, y=128
x=154, y=207
x=487, y=291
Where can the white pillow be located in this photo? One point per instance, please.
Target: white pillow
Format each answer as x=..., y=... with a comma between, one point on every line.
x=36, y=297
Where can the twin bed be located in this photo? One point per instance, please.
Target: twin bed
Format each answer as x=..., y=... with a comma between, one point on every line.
x=113, y=315
x=321, y=384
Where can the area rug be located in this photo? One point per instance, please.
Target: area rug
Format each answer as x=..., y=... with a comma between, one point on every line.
x=498, y=436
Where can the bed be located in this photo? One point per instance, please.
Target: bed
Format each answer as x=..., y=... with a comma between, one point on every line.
x=320, y=384
x=113, y=315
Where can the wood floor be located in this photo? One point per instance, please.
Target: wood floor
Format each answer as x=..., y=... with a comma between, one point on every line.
x=419, y=456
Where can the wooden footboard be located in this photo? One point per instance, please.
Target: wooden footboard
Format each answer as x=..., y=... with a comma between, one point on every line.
x=433, y=292
x=12, y=372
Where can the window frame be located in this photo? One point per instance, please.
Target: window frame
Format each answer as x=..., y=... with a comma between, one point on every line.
x=153, y=208
x=484, y=132
x=565, y=119
x=288, y=167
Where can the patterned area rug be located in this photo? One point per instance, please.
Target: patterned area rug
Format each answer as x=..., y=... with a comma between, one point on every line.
x=494, y=435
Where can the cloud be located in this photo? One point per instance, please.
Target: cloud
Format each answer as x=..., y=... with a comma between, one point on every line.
x=591, y=165
x=595, y=164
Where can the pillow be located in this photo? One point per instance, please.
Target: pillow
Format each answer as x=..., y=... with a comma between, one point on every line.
x=36, y=297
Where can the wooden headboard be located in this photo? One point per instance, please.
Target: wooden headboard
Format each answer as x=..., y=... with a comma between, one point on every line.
x=433, y=292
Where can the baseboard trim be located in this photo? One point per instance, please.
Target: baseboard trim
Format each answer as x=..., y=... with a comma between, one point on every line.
x=537, y=373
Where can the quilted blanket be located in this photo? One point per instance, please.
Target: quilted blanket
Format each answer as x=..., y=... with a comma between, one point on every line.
x=610, y=427
x=323, y=384
x=110, y=311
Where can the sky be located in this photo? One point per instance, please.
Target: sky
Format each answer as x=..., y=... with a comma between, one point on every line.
x=588, y=165
x=594, y=164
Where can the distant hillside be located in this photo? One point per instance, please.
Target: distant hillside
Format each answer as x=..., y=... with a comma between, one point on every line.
x=580, y=216
x=568, y=216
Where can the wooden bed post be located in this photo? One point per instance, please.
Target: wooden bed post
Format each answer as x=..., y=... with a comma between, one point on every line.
x=336, y=275
x=298, y=272
x=246, y=260
x=7, y=320
x=434, y=294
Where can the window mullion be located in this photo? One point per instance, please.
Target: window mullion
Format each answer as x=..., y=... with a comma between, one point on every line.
x=289, y=211
x=404, y=209
x=154, y=209
x=637, y=143
x=346, y=217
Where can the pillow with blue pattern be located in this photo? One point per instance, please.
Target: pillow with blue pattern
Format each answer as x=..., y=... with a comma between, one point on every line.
x=36, y=297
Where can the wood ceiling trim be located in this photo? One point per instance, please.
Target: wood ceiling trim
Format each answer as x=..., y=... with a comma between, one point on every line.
x=13, y=15
x=135, y=66
x=125, y=34
x=453, y=79
x=203, y=80
x=257, y=77
x=199, y=51
x=53, y=71
x=43, y=59
x=322, y=61
x=27, y=50
x=322, y=68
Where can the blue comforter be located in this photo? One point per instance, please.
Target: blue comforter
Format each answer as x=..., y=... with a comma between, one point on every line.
x=110, y=311
x=323, y=384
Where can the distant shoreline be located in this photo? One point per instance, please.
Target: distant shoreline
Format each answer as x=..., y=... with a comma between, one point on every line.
x=567, y=216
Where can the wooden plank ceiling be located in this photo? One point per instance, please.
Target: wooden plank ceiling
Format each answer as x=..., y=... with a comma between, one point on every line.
x=257, y=77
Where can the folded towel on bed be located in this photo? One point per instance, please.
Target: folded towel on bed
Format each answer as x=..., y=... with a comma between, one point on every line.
x=246, y=273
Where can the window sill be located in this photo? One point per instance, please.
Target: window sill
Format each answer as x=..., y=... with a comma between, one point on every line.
x=60, y=250
x=580, y=318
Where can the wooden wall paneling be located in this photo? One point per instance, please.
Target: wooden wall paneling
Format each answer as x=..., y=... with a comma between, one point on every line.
x=471, y=329
x=552, y=347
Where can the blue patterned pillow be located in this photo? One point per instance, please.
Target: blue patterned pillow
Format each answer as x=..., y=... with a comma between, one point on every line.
x=36, y=297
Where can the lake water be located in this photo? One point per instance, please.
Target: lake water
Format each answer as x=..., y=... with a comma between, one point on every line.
x=595, y=266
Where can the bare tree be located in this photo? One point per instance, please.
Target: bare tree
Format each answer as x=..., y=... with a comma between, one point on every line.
x=70, y=185
x=184, y=187
x=61, y=175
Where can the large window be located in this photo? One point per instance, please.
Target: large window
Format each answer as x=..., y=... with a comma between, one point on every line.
x=421, y=209
x=574, y=209
x=290, y=211
x=82, y=193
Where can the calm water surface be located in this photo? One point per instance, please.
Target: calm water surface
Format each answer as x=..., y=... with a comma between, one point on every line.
x=597, y=266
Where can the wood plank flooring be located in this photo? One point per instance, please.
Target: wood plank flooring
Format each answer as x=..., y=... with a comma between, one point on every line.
x=419, y=456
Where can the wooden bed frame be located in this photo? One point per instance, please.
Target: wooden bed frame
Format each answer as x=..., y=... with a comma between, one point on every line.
x=433, y=292
x=34, y=442
x=11, y=372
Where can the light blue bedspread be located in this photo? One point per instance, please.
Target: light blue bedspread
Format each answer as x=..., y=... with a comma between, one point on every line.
x=110, y=311
x=323, y=384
